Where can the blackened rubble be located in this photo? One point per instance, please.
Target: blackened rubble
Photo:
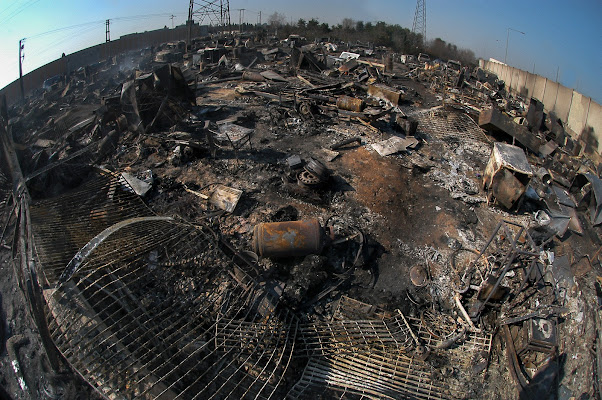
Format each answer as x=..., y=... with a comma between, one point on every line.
x=272, y=221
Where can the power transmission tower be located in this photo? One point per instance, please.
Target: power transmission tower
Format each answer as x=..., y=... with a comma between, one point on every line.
x=21, y=57
x=172, y=17
x=241, y=17
x=225, y=8
x=419, y=26
x=211, y=12
x=108, y=37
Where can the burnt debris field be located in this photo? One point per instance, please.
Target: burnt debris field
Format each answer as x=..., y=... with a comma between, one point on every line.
x=282, y=219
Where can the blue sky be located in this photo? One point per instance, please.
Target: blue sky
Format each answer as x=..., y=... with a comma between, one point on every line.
x=563, y=37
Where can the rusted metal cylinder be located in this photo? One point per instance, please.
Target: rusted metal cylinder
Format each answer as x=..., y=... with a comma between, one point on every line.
x=544, y=175
x=350, y=103
x=252, y=76
x=289, y=238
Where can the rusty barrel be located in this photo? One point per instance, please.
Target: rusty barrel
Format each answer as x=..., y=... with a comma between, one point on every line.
x=289, y=238
x=350, y=103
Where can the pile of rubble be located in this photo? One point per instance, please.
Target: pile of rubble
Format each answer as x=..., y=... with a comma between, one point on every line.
x=238, y=218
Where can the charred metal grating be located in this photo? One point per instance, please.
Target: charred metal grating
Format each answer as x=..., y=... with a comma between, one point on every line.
x=389, y=373
x=64, y=224
x=353, y=336
x=442, y=123
x=157, y=310
x=376, y=375
x=159, y=322
x=153, y=307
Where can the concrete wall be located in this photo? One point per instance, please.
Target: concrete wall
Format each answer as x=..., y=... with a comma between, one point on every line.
x=581, y=115
x=135, y=41
x=549, y=95
x=529, y=85
x=520, y=84
x=579, y=112
x=594, y=118
x=564, y=98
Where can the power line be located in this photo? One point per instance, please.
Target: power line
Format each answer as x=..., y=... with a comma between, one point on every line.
x=102, y=21
x=11, y=5
x=60, y=41
x=146, y=16
x=84, y=29
x=41, y=50
x=66, y=28
x=19, y=10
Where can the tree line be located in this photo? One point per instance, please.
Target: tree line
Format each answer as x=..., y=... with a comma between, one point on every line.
x=396, y=37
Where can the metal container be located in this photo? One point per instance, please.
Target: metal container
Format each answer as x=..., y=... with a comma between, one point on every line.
x=289, y=238
x=252, y=76
x=418, y=275
x=350, y=103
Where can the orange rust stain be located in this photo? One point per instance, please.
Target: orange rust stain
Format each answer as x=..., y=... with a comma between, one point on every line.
x=378, y=181
x=405, y=200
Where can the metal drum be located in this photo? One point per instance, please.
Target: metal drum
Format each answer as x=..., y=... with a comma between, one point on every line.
x=350, y=103
x=289, y=238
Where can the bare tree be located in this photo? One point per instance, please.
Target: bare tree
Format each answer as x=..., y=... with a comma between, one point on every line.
x=347, y=24
x=276, y=20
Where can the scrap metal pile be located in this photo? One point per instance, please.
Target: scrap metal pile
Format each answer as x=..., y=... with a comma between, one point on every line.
x=193, y=226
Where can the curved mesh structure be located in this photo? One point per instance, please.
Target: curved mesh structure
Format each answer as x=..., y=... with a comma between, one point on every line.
x=146, y=307
x=156, y=315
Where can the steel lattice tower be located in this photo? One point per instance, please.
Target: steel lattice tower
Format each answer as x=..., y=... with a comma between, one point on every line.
x=419, y=25
x=212, y=12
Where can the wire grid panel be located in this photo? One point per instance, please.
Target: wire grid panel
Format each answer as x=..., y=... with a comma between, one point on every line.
x=442, y=123
x=62, y=225
x=353, y=336
x=473, y=341
x=375, y=375
x=155, y=321
x=391, y=372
